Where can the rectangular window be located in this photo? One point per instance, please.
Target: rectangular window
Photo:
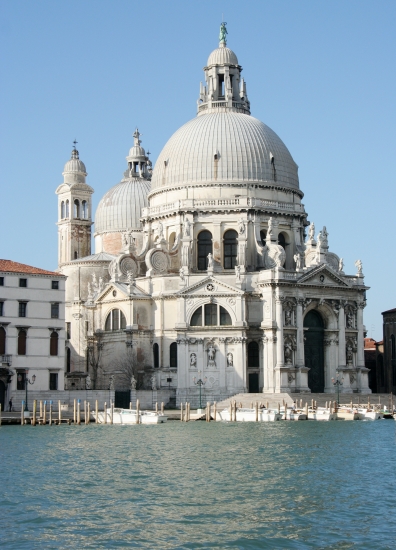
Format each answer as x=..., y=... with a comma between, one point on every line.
x=68, y=331
x=23, y=283
x=1, y=309
x=21, y=378
x=55, y=311
x=1, y=281
x=86, y=328
x=210, y=315
x=53, y=381
x=22, y=309
x=55, y=285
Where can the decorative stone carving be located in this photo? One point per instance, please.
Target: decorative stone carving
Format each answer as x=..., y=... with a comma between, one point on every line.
x=210, y=261
x=238, y=272
x=274, y=256
x=111, y=385
x=133, y=383
x=298, y=259
x=211, y=356
x=352, y=377
x=181, y=274
x=359, y=266
x=157, y=261
x=311, y=234
x=128, y=264
x=349, y=354
x=289, y=347
x=341, y=265
x=193, y=360
x=186, y=228
x=88, y=383
x=153, y=383
x=241, y=226
x=230, y=360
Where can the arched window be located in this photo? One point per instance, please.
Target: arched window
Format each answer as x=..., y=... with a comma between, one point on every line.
x=282, y=240
x=84, y=209
x=253, y=355
x=212, y=315
x=68, y=354
x=54, y=343
x=173, y=355
x=62, y=209
x=76, y=208
x=22, y=342
x=156, y=355
x=67, y=209
x=263, y=235
x=2, y=341
x=115, y=320
x=230, y=249
x=172, y=238
x=205, y=247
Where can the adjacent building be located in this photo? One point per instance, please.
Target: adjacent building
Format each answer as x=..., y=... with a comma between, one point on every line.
x=32, y=329
x=206, y=267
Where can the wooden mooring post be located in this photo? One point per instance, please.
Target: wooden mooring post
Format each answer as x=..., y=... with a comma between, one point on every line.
x=78, y=412
x=137, y=411
x=257, y=415
x=50, y=413
x=59, y=413
x=105, y=413
x=96, y=411
x=112, y=413
x=214, y=411
x=74, y=411
x=162, y=407
x=22, y=413
x=181, y=412
x=45, y=413
x=34, y=412
x=88, y=414
x=41, y=409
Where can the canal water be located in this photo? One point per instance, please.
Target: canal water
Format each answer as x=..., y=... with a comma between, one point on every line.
x=327, y=485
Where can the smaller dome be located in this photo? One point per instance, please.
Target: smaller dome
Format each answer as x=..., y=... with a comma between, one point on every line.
x=75, y=164
x=137, y=151
x=121, y=207
x=222, y=56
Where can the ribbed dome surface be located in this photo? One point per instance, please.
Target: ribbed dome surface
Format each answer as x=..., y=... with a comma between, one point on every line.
x=121, y=207
x=244, y=146
x=222, y=56
x=75, y=165
x=137, y=151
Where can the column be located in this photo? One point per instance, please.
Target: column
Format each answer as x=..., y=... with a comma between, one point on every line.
x=360, y=338
x=280, y=361
x=300, y=359
x=222, y=364
x=341, y=336
x=244, y=365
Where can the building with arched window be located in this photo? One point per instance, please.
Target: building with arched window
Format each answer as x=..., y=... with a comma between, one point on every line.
x=208, y=263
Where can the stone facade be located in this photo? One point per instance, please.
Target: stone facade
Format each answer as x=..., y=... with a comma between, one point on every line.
x=214, y=276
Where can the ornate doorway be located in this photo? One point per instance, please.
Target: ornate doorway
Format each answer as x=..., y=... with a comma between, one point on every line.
x=254, y=382
x=314, y=351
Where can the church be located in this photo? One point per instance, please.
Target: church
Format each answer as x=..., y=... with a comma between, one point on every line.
x=206, y=269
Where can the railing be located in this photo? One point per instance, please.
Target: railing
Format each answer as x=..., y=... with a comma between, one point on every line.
x=6, y=359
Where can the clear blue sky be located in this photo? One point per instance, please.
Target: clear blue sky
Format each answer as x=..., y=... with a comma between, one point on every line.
x=320, y=74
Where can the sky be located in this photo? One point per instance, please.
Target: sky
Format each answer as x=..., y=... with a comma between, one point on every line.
x=320, y=74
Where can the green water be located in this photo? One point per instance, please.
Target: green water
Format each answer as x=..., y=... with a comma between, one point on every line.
x=197, y=485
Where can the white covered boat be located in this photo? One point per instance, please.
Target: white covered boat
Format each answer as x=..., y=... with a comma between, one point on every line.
x=321, y=414
x=129, y=416
x=249, y=415
x=292, y=414
x=346, y=413
x=369, y=414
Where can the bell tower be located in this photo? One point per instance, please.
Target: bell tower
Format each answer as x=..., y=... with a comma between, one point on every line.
x=74, y=211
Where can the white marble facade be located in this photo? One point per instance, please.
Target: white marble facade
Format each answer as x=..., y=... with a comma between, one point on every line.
x=212, y=263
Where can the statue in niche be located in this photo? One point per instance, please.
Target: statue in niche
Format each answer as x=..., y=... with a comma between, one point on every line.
x=349, y=319
x=210, y=260
x=270, y=228
x=312, y=232
x=90, y=294
x=230, y=360
x=193, y=360
x=349, y=355
x=186, y=227
x=341, y=265
x=211, y=356
x=88, y=383
x=94, y=283
x=359, y=266
x=238, y=272
x=288, y=353
x=160, y=230
x=153, y=383
x=241, y=227
x=100, y=284
x=297, y=258
x=133, y=383
x=111, y=386
x=288, y=318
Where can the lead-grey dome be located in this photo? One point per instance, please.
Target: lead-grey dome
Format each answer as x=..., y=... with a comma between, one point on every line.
x=75, y=164
x=247, y=151
x=120, y=208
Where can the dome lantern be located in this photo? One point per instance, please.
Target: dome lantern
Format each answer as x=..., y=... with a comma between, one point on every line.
x=225, y=91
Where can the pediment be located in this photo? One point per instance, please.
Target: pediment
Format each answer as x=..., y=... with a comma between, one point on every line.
x=210, y=286
x=121, y=292
x=322, y=275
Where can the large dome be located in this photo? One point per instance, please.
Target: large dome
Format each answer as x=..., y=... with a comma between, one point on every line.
x=247, y=151
x=120, y=208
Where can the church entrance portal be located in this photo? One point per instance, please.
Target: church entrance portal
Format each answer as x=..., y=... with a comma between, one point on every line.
x=314, y=351
x=254, y=382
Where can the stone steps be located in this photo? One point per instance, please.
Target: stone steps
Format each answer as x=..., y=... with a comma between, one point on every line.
x=248, y=398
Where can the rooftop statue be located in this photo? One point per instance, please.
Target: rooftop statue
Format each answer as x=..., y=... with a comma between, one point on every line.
x=223, y=33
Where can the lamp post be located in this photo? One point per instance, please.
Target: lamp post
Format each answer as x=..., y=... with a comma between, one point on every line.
x=27, y=382
x=337, y=383
x=200, y=383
